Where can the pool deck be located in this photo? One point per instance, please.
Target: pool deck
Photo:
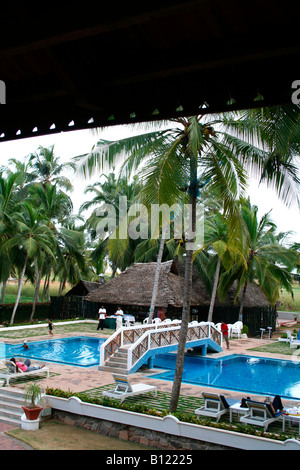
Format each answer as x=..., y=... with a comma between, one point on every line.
x=77, y=379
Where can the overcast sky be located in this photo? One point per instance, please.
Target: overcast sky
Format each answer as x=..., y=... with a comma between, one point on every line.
x=72, y=143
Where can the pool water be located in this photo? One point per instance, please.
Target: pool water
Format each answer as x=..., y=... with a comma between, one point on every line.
x=77, y=351
x=241, y=373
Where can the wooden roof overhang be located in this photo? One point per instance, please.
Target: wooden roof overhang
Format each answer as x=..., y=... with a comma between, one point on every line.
x=72, y=65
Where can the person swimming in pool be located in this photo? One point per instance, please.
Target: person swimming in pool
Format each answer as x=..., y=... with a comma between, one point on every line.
x=25, y=346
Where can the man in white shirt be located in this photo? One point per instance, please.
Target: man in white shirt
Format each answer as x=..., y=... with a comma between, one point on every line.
x=101, y=317
x=119, y=314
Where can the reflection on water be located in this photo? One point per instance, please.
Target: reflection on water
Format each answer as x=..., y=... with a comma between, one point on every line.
x=80, y=351
x=241, y=373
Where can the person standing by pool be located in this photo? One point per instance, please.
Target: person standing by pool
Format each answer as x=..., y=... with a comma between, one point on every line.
x=101, y=317
x=119, y=314
x=50, y=326
x=224, y=330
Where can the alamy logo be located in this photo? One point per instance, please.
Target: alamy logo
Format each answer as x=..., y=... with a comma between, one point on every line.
x=140, y=222
x=2, y=92
x=296, y=93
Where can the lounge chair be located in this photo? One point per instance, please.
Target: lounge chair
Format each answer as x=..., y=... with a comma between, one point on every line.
x=237, y=329
x=125, y=389
x=292, y=339
x=260, y=414
x=215, y=405
x=13, y=371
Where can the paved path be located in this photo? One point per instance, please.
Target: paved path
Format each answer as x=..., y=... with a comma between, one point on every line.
x=10, y=443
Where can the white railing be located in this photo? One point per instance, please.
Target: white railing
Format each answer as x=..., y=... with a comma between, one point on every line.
x=168, y=336
x=128, y=335
x=146, y=337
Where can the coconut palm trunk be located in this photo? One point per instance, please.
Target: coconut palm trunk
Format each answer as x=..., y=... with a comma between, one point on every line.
x=214, y=291
x=157, y=272
x=242, y=302
x=188, y=275
x=36, y=290
x=21, y=280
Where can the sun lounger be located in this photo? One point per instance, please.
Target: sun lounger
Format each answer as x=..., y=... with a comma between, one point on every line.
x=214, y=405
x=260, y=414
x=13, y=371
x=125, y=389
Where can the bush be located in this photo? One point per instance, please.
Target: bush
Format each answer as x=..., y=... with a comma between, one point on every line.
x=182, y=416
x=245, y=329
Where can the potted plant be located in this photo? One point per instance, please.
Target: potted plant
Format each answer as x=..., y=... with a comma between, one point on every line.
x=33, y=394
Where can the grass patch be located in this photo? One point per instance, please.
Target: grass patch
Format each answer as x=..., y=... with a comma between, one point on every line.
x=57, y=330
x=28, y=291
x=53, y=435
x=276, y=347
x=290, y=304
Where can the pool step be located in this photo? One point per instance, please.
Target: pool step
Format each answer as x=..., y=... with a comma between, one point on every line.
x=11, y=402
x=117, y=363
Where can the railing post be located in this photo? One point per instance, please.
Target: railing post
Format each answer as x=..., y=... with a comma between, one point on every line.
x=129, y=359
x=102, y=355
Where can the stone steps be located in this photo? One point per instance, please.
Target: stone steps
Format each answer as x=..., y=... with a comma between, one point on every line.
x=117, y=363
x=11, y=402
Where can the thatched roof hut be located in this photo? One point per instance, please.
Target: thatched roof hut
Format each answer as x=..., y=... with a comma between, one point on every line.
x=134, y=287
x=82, y=288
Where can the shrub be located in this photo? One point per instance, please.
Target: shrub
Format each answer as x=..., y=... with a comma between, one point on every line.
x=181, y=416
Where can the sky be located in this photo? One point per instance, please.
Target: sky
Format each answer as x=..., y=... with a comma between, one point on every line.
x=73, y=143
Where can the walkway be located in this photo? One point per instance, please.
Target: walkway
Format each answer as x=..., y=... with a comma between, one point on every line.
x=79, y=379
x=9, y=443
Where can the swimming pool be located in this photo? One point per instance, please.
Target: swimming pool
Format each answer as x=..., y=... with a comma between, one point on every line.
x=240, y=373
x=80, y=351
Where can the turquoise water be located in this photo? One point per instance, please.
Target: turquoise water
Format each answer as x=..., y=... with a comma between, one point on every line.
x=241, y=373
x=77, y=351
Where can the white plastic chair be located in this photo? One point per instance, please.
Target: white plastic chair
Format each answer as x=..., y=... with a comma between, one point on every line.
x=237, y=329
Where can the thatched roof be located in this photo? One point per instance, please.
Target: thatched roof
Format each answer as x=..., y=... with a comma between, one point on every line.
x=134, y=287
x=82, y=288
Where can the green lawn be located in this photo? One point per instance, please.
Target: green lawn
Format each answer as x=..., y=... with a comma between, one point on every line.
x=28, y=291
x=290, y=304
x=58, y=329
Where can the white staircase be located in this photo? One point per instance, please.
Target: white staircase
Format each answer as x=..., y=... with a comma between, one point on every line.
x=11, y=402
x=117, y=363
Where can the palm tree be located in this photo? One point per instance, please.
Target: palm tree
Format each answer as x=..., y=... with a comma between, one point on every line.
x=47, y=169
x=72, y=262
x=269, y=140
x=216, y=238
x=108, y=193
x=268, y=262
x=32, y=236
x=9, y=210
x=171, y=174
x=182, y=159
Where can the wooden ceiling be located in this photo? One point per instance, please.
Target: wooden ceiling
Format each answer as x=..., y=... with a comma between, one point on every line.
x=69, y=65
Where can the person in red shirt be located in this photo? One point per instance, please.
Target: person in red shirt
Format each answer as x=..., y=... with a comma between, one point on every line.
x=224, y=330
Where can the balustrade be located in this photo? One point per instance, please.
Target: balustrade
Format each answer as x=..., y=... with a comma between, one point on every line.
x=143, y=338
